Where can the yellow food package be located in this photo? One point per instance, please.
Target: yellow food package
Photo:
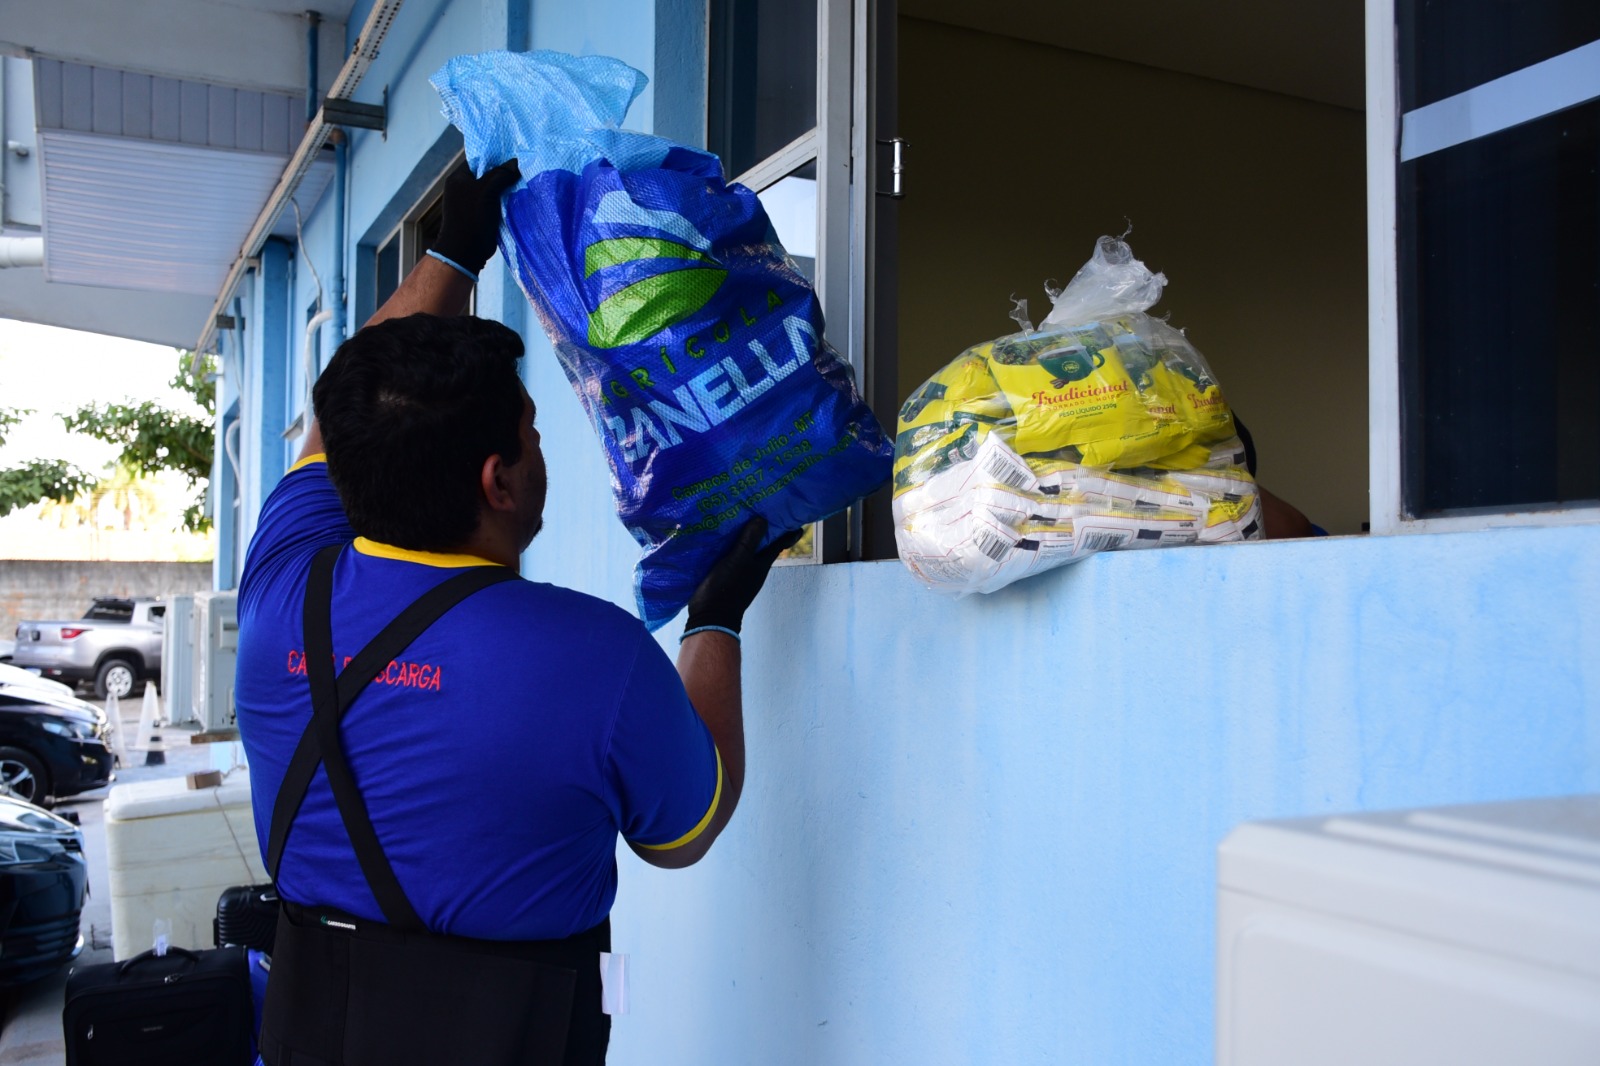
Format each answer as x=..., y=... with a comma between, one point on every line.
x=1195, y=455
x=1233, y=518
x=1190, y=381
x=965, y=387
x=1102, y=430
x=1072, y=389
x=938, y=448
x=945, y=420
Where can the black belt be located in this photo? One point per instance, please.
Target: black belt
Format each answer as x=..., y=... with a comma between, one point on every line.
x=347, y=991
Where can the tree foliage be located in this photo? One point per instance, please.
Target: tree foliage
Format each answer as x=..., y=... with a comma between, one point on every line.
x=151, y=439
x=41, y=479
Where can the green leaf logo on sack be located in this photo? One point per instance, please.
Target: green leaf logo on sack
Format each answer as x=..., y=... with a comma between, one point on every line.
x=677, y=278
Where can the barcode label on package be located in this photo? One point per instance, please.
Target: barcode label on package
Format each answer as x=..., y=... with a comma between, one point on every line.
x=1100, y=540
x=1005, y=466
x=1113, y=532
x=992, y=544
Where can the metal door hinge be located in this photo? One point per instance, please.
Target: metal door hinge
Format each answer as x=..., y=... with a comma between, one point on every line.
x=897, y=167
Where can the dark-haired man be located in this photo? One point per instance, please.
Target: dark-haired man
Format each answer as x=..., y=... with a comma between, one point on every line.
x=442, y=755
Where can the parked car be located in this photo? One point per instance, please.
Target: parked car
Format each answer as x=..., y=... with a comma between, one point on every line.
x=51, y=746
x=43, y=881
x=114, y=646
x=16, y=675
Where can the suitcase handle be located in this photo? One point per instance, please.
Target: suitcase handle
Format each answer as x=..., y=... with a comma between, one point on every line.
x=128, y=964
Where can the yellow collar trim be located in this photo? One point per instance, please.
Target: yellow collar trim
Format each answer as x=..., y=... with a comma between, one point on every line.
x=319, y=457
x=441, y=559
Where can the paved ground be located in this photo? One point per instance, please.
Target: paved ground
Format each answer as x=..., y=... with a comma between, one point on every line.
x=31, y=1035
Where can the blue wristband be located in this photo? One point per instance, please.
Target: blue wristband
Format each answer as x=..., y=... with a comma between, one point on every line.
x=709, y=629
x=447, y=261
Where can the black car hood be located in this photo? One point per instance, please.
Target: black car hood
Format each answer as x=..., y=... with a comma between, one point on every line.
x=18, y=816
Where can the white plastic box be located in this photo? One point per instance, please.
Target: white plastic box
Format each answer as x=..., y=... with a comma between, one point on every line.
x=1462, y=935
x=171, y=851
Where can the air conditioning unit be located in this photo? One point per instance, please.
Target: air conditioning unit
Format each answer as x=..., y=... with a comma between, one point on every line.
x=216, y=649
x=1466, y=935
x=177, y=658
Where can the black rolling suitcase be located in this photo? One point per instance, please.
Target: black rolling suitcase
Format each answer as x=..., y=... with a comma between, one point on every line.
x=189, y=1007
x=248, y=915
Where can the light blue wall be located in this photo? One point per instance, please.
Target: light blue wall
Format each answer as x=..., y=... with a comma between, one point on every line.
x=983, y=831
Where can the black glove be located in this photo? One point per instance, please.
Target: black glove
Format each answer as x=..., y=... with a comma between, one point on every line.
x=471, y=222
x=733, y=582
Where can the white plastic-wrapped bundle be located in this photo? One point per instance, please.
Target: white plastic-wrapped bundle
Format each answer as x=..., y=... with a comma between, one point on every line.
x=1102, y=430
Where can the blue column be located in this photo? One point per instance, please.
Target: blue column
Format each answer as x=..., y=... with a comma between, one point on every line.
x=264, y=399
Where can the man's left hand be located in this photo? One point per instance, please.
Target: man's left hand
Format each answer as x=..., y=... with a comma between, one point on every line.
x=471, y=223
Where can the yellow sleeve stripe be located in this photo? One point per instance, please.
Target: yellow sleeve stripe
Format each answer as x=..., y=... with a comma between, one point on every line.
x=319, y=457
x=700, y=827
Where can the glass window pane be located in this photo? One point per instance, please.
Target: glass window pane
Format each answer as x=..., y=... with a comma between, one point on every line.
x=388, y=272
x=791, y=205
x=763, y=78
x=1450, y=46
x=1499, y=295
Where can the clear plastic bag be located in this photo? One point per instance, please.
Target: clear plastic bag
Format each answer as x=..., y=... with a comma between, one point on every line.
x=1102, y=430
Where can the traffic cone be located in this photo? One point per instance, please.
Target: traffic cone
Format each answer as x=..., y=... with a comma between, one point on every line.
x=150, y=725
x=114, y=725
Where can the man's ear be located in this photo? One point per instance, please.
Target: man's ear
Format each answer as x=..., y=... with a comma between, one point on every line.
x=496, y=485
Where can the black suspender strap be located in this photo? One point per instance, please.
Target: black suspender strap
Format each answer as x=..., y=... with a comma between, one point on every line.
x=331, y=697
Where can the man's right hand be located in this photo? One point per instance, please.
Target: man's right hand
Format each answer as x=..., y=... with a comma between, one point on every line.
x=731, y=586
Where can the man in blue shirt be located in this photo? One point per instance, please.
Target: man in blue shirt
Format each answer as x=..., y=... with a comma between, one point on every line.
x=441, y=820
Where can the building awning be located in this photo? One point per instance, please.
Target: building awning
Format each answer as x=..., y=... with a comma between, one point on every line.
x=153, y=183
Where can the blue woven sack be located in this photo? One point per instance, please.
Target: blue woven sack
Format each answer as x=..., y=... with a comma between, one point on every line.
x=694, y=344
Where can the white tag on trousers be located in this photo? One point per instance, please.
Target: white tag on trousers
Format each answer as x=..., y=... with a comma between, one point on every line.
x=613, y=983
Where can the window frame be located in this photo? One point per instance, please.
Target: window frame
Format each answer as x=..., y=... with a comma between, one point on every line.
x=842, y=145
x=831, y=145
x=407, y=232
x=1385, y=124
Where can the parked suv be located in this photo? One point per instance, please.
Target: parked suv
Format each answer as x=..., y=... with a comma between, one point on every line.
x=114, y=646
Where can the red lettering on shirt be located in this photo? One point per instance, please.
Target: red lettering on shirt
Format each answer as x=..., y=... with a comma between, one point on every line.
x=404, y=674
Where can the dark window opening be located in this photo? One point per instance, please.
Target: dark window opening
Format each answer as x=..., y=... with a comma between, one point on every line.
x=1499, y=280
x=388, y=274
x=397, y=255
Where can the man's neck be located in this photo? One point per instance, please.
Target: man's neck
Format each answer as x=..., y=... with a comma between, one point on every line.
x=494, y=541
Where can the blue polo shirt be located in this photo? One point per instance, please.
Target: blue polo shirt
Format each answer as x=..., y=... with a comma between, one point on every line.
x=499, y=756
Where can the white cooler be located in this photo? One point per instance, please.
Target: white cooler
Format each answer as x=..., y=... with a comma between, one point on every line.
x=1462, y=935
x=171, y=851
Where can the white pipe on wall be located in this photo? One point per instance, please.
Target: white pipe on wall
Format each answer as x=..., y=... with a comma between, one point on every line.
x=311, y=370
x=21, y=251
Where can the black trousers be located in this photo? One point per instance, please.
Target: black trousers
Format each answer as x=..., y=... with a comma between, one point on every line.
x=346, y=991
